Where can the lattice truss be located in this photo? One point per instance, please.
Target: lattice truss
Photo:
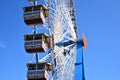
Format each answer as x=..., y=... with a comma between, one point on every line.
x=62, y=28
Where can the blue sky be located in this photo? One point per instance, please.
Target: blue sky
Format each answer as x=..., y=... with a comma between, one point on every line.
x=98, y=19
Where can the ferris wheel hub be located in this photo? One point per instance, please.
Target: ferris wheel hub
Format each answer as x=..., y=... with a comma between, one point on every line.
x=84, y=41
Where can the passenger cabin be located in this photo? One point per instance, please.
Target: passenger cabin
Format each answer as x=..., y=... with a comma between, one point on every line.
x=35, y=43
x=72, y=12
x=38, y=71
x=70, y=4
x=34, y=15
x=73, y=20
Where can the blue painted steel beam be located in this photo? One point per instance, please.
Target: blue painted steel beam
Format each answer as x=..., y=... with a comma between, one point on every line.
x=76, y=64
x=79, y=43
x=65, y=43
x=83, y=72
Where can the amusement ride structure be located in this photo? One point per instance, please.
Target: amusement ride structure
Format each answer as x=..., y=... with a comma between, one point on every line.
x=55, y=35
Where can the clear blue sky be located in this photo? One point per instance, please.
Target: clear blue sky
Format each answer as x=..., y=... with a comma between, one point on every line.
x=98, y=19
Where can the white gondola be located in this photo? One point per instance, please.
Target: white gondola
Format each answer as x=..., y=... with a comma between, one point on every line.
x=35, y=43
x=70, y=4
x=34, y=15
x=73, y=20
x=72, y=12
x=38, y=71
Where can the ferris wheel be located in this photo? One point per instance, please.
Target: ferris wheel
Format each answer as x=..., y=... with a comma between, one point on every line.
x=60, y=42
